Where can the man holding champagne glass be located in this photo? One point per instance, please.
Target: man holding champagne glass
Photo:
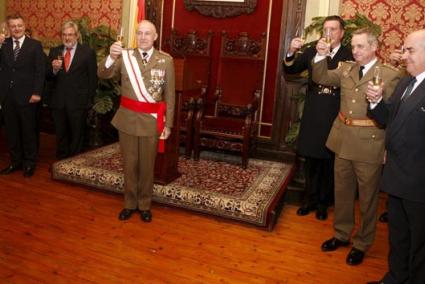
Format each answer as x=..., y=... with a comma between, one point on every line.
x=356, y=140
x=72, y=72
x=320, y=109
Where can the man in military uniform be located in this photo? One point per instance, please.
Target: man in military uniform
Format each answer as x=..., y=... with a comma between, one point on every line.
x=356, y=140
x=320, y=109
x=146, y=113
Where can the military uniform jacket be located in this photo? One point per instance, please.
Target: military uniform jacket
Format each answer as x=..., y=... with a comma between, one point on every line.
x=136, y=123
x=321, y=103
x=357, y=143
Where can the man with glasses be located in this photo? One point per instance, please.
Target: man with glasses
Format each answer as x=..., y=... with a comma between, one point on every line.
x=72, y=70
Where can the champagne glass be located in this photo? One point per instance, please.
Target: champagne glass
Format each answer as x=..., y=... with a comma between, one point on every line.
x=328, y=38
x=120, y=36
x=3, y=29
x=377, y=77
x=60, y=58
x=299, y=33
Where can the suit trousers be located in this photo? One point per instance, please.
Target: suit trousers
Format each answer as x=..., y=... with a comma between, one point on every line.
x=351, y=176
x=406, y=226
x=70, y=126
x=21, y=132
x=139, y=153
x=319, y=182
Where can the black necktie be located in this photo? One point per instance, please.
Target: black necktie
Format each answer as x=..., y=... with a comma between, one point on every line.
x=361, y=72
x=145, y=58
x=16, y=50
x=408, y=91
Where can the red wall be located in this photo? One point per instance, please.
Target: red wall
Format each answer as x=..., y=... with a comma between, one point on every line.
x=255, y=24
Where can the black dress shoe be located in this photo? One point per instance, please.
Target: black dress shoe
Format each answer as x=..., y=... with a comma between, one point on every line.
x=322, y=214
x=10, y=169
x=305, y=209
x=355, y=256
x=375, y=282
x=333, y=244
x=383, y=218
x=146, y=215
x=29, y=171
x=125, y=214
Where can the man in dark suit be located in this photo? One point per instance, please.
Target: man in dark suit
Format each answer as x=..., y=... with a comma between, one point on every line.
x=320, y=109
x=72, y=69
x=22, y=72
x=145, y=115
x=404, y=172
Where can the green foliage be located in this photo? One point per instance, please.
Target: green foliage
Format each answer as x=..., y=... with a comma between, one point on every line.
x=100, y=38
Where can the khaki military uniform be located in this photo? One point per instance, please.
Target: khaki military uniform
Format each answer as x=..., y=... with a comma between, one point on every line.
x=138, y=131
x=358, y=143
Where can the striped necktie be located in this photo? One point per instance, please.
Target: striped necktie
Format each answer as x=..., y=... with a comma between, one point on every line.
x=16, y=50
x=409, y=90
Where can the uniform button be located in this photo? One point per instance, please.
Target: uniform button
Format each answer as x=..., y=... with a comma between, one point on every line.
x=373, y=136
x=356, y=90
x=350, y=112
x=353, y=101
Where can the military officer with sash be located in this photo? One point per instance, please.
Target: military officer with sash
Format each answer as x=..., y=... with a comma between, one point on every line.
x=356, y=140
x=145, y=116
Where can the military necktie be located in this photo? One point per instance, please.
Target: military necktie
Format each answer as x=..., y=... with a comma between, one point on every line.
x=16, y=50
x=361, y=72
x=408, y=91
x=145, y=58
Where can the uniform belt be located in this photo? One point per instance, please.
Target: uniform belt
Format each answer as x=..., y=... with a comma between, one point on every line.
x=356, y=122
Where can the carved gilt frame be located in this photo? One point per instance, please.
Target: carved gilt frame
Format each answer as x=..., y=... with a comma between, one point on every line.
x=221, y=8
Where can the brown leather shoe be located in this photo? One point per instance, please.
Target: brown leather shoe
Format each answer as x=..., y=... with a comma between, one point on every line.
x=355, y=256
x=125, y=214
x=146, y=215
x=333, y=244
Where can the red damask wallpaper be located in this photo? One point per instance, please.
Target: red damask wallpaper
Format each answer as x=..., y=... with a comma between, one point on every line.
x=45, y=17
x=397, y=18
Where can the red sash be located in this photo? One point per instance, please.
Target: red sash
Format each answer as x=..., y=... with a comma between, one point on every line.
x=157, y=108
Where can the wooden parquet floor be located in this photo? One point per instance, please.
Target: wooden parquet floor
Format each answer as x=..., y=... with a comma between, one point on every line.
x=52, y=232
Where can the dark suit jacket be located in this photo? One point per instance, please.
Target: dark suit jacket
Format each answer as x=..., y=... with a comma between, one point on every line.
x=74, y=88
x=404, y=171
x=320, y=110
x=26, y=74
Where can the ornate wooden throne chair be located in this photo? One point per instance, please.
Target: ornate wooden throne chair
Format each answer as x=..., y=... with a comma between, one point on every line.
x=233, y=125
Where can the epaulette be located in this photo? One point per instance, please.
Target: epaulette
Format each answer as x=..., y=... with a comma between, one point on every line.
x=164, y=53
x=389, y=66
x=350, y=63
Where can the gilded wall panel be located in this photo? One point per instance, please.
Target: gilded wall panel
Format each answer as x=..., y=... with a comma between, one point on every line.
x=397, y=18
x=45, y=17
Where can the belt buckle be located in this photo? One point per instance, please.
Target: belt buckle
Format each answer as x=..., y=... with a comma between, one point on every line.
x=348, y=121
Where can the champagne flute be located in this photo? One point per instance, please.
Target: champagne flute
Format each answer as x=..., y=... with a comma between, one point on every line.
x=120, y=37
x=3, y=29
x=60, y=58
x=328, y=38
x=377, y=77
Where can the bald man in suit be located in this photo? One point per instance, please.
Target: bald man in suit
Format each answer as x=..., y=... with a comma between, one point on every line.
x=147, y=91
x=403, y=178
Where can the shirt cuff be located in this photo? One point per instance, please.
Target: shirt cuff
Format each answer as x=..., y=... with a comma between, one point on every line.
x=318, y=58
x=109, y=62
x=373, y=105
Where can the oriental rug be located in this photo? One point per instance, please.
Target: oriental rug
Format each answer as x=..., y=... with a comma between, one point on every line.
x=216, y=184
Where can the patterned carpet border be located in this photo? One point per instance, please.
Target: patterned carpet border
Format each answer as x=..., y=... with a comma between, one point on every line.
x=215, y=185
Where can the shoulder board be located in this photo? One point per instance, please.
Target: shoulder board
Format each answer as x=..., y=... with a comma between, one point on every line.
x=164, y=53
x=349, y=63
x=389, y=66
